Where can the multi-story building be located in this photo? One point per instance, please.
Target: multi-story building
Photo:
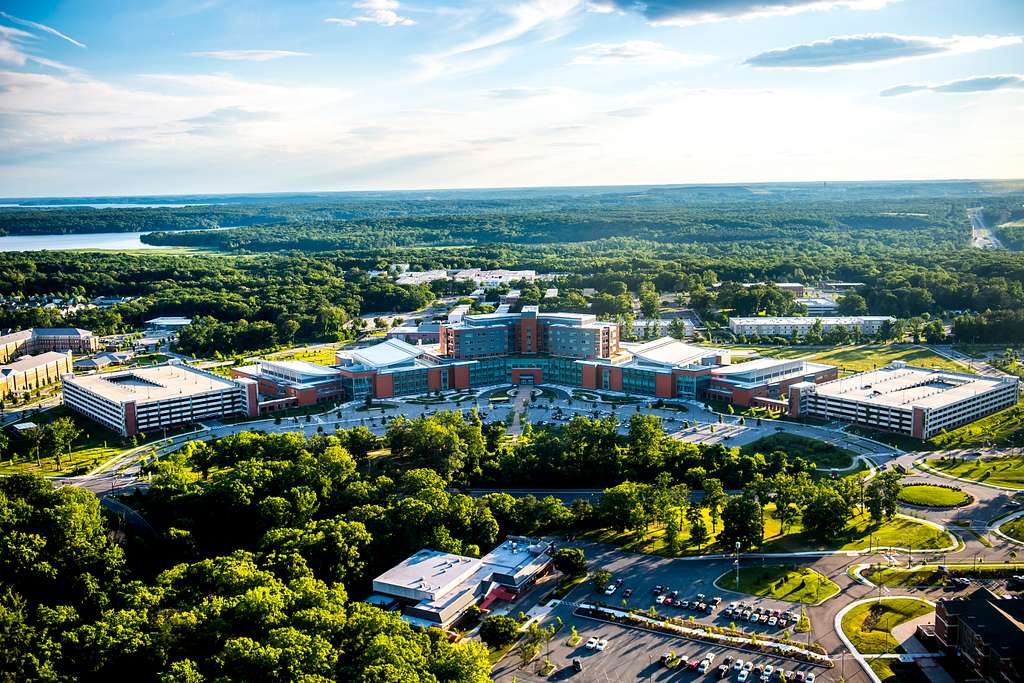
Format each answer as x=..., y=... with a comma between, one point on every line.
x=819, y=305
x=29, y=373
x=899, y=398
x=984, y=632
x=765, y=381
x=46, y=339
x=158, y=396
x=424, y=332
x=288, y=383
x=531, y=348
x=868, y=325
x=434, y=589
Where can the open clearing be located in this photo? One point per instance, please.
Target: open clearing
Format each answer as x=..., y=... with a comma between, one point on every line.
x=1005, y=471
x=927, y=495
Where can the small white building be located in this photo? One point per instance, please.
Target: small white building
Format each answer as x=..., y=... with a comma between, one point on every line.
x=769, y=326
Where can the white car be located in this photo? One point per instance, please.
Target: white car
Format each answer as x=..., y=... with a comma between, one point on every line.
x=773, y=621
x=748, y=666
x=591, y=644
x=768, y=670
x=660, y=599
x=704, y=666
x=738, y=665
x=602, y=644
x=744, y=675
x=810, y=678
x=610, y=589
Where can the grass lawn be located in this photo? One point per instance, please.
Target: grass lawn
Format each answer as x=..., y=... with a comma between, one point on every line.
x=1014, y=529
x=934, y=496
x=852, y=359
x=783, y=583
x=321, y=355
x=80, y=460
x=1005, y=428
x=897, y=532
x=869, y=626
x=821, y=453
x=890, y=670
x=93, y=446
x=1006, y=471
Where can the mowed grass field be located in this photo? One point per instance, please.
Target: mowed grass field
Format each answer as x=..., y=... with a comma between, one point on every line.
x=801, y=585
x=933, y=496
x=1014, y=529
x=1006, y=471
x=869, y=626
x=1005, y=428
x=860, y=533
x=865, y=357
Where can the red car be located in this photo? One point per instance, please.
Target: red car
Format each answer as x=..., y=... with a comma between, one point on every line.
x=693, y=664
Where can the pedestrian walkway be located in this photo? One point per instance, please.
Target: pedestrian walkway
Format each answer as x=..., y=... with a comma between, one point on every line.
x=904, y=634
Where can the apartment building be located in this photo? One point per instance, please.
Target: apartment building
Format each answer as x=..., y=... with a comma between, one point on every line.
x=919, y=402
x=157, y=397
x=29, y=373
x=983, y=633
x=767, y=326
x=47, y=339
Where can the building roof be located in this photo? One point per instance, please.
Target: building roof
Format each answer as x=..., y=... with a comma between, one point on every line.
x=152, y=383
x=429, y=574
x=998, y=620
x=60, y=332
x=387, y=353
x=900, y=385
x=172, y=321
x=669, y=352
x=26, y=363
x=300, y=368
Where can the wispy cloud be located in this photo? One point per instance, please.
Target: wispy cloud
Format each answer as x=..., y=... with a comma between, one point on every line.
x=873, y=48
x=247, y=55
x=975, y=84
x=689, y=12
x=41, y=27
x=630, y=112
x=520, y=93
x=15, y=49
x=634, y=52
x=380, y=12
x=491, y=48
x=224, y=120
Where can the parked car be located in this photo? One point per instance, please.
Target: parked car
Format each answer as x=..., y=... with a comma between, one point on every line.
x=744, y=675
x=728, y=659
x=800, y=676
x=577, y=664
x=628, y=592
x=710, y=656
x=618, y=582
x=675, y=594
x=704, y=666
x=810, y=678
x=591, y=643
x=685, y=604
x=693, y=664
x=657, y=589
x=738, y=665
x=666, y=658
x=660, y=600
x=723, y=671
x=773, y=621
x=716, y=601
x=610, y=589
x=754, y=617
x=700, y=597
x=769, y=669
x=602, y=644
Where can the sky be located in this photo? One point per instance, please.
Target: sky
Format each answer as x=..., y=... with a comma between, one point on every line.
x=208, y=96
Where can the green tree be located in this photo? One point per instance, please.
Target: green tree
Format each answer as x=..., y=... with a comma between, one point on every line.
x=499, y=631
x=742, y=522
x=570, y=561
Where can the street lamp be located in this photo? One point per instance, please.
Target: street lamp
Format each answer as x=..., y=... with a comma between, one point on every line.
x=736, y=563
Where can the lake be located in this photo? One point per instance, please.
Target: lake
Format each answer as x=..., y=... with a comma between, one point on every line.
x=118, y=241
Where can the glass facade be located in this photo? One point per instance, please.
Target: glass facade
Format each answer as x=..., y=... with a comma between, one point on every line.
x=636, y=381
x=413, y=382
x=353, y=388
x=692, y=387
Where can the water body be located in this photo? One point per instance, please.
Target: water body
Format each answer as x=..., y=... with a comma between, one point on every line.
x=115, y=241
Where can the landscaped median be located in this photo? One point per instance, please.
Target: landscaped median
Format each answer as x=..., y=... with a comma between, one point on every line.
x=802, y=585
x=866, y=628
x=652, y=621
x=929, y=575
x=934, y=496
x=1005, y=471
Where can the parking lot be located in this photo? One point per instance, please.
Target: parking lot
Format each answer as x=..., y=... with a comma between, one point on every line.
x=633, y=654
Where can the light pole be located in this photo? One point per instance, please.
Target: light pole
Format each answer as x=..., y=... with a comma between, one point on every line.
x=736, y=563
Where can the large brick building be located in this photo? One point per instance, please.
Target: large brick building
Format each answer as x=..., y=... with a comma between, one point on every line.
x=985, y=633
x=28, y=373
x=529, y=348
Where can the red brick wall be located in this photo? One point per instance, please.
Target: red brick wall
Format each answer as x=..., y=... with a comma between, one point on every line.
x=460, y=377
x=253, y=400
x=131, y=424
x=434, y=379
x=589, y=380
x=517, y=375
x=615, y=379
x=527, y=325
x=663, y=386
x=383, y=386
x=917, y=423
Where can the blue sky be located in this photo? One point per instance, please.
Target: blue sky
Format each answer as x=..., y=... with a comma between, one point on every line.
x=185, y=96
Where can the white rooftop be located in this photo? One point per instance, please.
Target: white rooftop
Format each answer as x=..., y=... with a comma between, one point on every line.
x=429, y=574
x=669, y=351
x=153, y=383
x=170, y=321
x=300, y=367
x=905, y=386
x=390, y=352
x=798, y=320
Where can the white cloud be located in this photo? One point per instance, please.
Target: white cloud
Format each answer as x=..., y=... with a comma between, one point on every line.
x=634, y=52
x=247, y=55
x=41, y=27
x=492, y=47
x=974, y=84
x=873, y=48
x=380, y=12
x=690, y=12
x=520, y=93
